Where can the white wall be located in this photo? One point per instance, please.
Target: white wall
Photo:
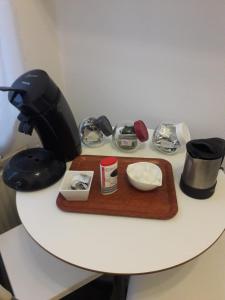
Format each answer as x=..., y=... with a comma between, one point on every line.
x=37, y=36
x=150, y=59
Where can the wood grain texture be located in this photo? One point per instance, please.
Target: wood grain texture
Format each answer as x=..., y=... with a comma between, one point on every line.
x=160, y=203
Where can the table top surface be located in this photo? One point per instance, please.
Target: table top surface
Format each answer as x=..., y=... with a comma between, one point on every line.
x=122, y=245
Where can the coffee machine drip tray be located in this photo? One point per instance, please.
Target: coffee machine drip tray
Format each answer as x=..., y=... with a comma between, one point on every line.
x=33, y=169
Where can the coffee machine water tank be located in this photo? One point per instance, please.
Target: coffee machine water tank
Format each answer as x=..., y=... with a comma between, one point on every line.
x=42, y=107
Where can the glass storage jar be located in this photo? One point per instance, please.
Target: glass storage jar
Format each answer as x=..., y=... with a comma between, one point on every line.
x=127, y=135
x=170, y=138
x=92, y=131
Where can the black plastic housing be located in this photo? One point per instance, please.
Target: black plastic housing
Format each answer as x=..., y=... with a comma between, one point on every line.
x=43, y=107
x=196, y=193
x=33, y=169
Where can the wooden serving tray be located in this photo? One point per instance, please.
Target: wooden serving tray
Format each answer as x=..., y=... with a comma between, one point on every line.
x=160, y=203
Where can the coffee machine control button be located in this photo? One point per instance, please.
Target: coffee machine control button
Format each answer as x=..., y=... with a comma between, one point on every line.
x=18, y=184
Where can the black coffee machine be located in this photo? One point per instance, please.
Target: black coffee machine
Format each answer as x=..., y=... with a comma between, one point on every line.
x=42, y=107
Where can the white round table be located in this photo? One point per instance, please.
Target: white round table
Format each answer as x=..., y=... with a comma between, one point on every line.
x=121, y=245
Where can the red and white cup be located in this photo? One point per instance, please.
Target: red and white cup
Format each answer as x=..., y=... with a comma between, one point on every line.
x=109, y=175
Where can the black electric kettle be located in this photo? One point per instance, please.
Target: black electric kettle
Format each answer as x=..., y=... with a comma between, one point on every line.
x=203, y=161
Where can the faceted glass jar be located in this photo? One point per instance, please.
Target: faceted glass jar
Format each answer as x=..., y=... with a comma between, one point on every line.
x=124, y=137
x=90, y=134
x=165, y=138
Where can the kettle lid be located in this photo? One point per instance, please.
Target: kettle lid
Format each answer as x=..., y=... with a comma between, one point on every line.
x=209, y=149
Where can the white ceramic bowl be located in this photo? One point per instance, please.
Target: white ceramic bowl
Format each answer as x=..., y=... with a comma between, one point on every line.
x=72, y=195
x=144, y=176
